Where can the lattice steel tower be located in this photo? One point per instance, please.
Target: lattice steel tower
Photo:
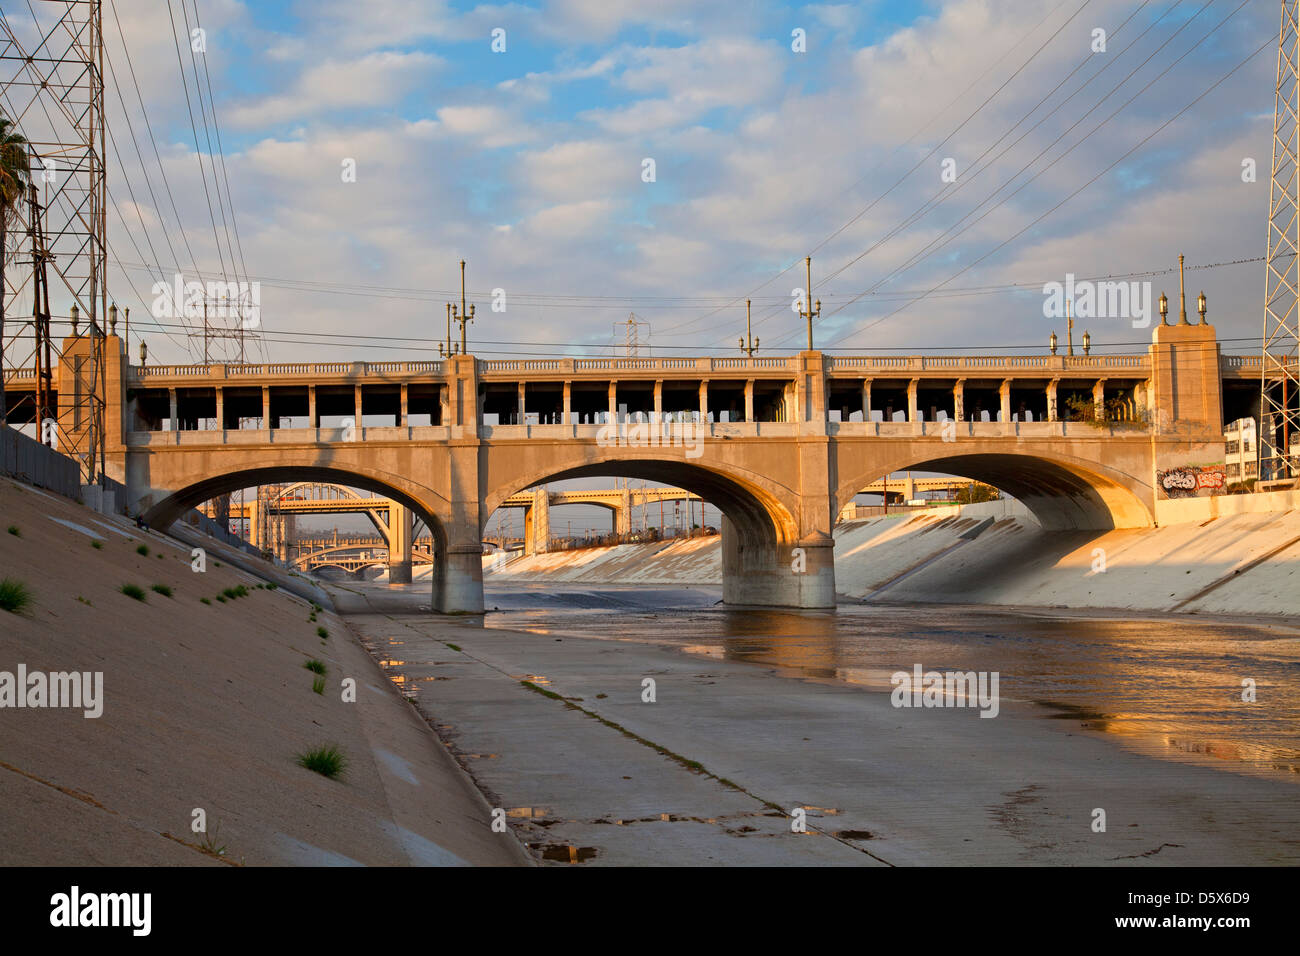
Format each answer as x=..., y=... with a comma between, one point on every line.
x=1279, y=376
x=52, y=87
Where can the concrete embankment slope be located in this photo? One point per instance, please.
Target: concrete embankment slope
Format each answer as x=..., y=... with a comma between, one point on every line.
x=1236, y=559
x=205, y=706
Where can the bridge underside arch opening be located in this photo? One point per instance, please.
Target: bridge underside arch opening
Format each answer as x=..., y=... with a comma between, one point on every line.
x=758, y=520
x=170, y=508
x=764, y=560
x=1062, y=496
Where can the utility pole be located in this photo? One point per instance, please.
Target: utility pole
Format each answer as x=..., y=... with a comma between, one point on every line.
x=807, y=309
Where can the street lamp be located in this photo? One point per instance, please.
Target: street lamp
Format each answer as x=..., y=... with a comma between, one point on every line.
x=1087, y=341
x=1200, y=307
x=144, y=353
x=1052, y=340
x=75, y=315
x=464, y=315
x=1164, y=309
x=807, y=309
x=752, y=347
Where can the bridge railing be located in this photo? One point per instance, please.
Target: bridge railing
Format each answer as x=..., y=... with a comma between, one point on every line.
x=985, y=363
x=280, y=370
x=496, y=366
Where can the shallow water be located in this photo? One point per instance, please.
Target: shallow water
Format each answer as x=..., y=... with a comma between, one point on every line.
x=1165, y=685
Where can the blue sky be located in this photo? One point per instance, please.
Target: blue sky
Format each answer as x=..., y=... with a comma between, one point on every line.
x=528, y=164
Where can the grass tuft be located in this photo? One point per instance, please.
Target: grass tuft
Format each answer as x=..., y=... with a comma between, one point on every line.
x=318, y=685
x=133, y=591
x=162, y=589
x=143, y=550
x=97, y=545
x=322, y=633
x=315, y=666
x=221, y=598
x=13, y=530
x=327, y=760
x=205, y=601
x=14, y=595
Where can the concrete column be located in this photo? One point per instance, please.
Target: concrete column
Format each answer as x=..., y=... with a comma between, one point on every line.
x=568, y=398
x=266, y=407
x=356, y=399
x=256, y=520
x=613, y=400
x=221, y=408
x=704, y=400
x=659, y=400
x=959, y=400
x=312, y=420
x=400, y=523
x=401, y=412
x=537, y=523
x=1099, y=399
x=911, y=399
x=523, y=405
x=909, y=488
x=749, y=400
x=1004, y=399
x=458, y=564
x=866, y=400
x=171, y=400
x=1052, y=414
x=623, y=513
x=796, y=574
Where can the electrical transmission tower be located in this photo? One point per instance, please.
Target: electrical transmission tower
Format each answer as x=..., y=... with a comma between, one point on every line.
x=632, y=340
x=52, y=89
x=1279, y=375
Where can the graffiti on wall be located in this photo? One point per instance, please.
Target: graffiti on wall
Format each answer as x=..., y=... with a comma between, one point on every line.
x=1191, y=481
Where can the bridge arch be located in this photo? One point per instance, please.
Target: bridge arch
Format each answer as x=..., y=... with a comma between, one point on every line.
x=760, y=521
x=762, y=512
x=1062, y=493
x=424, y=504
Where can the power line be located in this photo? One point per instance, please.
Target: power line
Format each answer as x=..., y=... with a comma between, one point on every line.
x=1058, y=205
x=674, y=330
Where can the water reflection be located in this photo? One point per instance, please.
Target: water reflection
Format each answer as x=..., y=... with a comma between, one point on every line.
x=1167, y=686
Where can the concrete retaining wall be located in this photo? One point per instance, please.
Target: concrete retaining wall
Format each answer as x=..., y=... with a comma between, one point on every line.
x=1182, y=510
x=29, y=461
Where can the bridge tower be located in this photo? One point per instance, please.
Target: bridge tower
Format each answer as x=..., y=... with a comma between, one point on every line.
x=1280, y=376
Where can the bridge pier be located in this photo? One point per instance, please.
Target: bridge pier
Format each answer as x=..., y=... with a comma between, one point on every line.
x=458, y=580
x=801, y=576
x=399, y=544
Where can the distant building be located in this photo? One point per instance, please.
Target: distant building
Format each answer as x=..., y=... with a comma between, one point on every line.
x=1240, y=451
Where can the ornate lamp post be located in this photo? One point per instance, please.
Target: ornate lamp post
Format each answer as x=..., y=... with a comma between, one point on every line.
x=807, y=308
x=750, y=347
x=1052, y=341
x=1087, y=341
x=1164, y=309
x=465, y=314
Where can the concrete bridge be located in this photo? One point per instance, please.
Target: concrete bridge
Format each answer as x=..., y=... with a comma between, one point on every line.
x=777, y=444
x=355, y=554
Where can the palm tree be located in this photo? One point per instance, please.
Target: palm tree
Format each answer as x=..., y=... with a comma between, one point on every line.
x=15, y=174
